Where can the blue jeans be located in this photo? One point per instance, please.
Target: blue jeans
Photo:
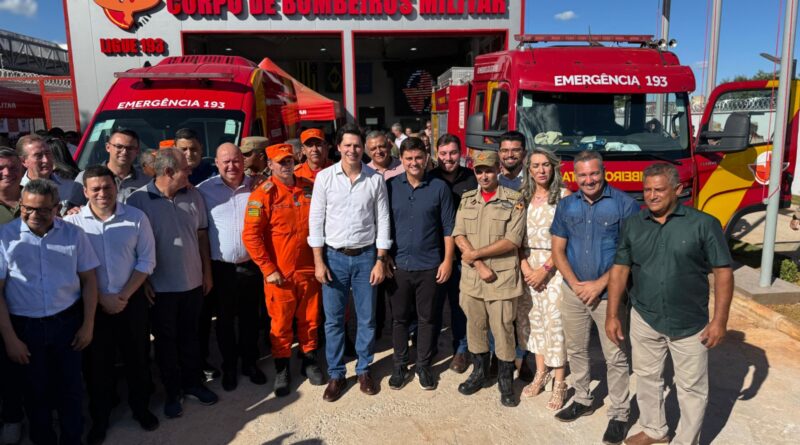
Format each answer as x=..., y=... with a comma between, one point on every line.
x=450, y=292
x=349, y=272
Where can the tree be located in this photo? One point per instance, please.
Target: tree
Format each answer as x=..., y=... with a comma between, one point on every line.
x=759, y=75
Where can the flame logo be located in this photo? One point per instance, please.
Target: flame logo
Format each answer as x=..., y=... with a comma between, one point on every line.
x=121, y=12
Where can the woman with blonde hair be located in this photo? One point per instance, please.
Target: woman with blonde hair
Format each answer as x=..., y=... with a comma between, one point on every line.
x=539, y=325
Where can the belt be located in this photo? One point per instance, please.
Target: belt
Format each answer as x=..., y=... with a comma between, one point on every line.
x=353, y=252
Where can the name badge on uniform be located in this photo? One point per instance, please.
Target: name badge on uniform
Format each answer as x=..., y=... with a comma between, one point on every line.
x=506, y=204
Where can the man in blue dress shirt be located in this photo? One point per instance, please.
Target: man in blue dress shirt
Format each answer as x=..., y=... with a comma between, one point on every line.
x=48, y=296
x=585, y=231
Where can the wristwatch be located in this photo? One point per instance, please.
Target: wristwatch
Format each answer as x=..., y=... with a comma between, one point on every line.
x=381, y=258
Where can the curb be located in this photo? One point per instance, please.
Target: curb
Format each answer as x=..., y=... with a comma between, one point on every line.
x=764, y=316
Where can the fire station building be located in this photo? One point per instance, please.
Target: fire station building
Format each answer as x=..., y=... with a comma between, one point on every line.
x=378, y=59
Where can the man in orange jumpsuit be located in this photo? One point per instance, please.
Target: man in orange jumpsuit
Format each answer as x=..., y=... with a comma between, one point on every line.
x=275, y=232
x=315, y=148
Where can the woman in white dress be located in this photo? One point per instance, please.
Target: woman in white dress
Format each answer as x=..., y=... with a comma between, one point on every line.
x=539, y=318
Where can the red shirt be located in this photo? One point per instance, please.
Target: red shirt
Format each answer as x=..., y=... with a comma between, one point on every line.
x=488, y=195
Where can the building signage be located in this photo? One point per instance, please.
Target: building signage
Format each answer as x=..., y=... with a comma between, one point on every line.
x=336, y=8
x=132, y=47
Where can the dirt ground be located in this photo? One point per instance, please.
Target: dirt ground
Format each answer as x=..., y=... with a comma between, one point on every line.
x=754, y=400
x=790, y=310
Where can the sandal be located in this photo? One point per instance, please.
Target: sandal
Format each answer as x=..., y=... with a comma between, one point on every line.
x=558, y=397
x=535, y=388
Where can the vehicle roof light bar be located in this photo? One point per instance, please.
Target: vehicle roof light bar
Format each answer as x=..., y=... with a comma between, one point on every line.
x=201, y=76
x=641, y=39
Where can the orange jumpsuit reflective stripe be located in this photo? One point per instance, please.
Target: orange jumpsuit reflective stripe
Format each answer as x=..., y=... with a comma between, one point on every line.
x=275, y=234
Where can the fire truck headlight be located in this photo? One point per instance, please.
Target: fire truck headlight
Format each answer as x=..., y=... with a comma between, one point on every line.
x=673, y=43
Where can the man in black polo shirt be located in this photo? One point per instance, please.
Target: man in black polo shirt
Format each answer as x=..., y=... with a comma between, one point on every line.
x=671, y=249
x=459, y=179
x=422, y=220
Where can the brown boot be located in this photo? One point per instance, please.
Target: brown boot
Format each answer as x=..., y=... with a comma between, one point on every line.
x=459, y=364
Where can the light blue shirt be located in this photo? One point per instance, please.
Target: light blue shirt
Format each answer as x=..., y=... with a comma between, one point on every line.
x=41, y=273
x=226, y=209
x=124, y=243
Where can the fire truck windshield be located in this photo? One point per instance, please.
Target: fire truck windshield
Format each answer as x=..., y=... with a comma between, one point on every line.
x=153, y=126
x=625, y=123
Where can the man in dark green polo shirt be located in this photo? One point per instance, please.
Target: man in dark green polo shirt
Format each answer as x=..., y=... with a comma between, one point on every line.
x=671, y=249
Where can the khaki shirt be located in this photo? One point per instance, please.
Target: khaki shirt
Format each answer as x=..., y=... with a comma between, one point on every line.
x=484, y=223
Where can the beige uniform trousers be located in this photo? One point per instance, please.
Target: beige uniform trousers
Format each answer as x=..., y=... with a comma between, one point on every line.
x=690, y=360
x=577, y=319
x=497, y=315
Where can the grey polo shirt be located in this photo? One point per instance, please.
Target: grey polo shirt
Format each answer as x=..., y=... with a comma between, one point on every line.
x=175, y=224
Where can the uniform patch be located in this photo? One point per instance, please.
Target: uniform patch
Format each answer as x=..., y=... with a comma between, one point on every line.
x=254, y=212
x=267, y=185
x=506, y=204
x=519, y=205
x=307, y=191
x=254, y=203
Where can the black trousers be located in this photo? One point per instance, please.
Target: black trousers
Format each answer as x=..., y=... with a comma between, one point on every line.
x=52, y=379
x=10, y=390
x=237, y=296
x=410, y=290
x=175, y=318
x=127, y=333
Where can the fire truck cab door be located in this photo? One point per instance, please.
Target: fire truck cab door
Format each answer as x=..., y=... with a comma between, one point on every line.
x=732, y=149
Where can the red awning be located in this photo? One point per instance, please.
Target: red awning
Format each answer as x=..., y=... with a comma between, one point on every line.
x=311, y=106
x=20, y=105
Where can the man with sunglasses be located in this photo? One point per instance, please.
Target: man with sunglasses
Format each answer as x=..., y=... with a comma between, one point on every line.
x=315, y=148
x=123, y=148
x=275, y=232
x=37, y=158
x=253, y=149
x=48, y=296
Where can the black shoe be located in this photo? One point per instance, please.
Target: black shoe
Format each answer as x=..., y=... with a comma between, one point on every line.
x=400, y=376
x=525, y=372
x=97, y=434
x=574, y=411
x=229, y=381
x=426, y=379
x=615, y=432
x=283, y=378
x=505, y=382
x=210, y=371
x=479, y=376
x=255, y=374
x=202, y=394
x=147, y=420
x=310, y=369
x=173, y=407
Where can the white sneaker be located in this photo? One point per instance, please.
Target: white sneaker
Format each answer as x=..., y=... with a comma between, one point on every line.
x=12, y=433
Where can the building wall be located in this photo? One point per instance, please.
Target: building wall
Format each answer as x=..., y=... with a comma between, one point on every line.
x=94, y=71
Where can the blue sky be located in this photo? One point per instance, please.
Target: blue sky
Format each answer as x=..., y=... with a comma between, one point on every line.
x=748, y=27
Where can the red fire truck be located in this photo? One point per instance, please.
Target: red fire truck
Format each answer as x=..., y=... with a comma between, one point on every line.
x=222, y=98
x=627, y=97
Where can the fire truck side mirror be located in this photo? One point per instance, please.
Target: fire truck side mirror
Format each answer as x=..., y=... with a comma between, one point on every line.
x=734, y=137
x=477, y=137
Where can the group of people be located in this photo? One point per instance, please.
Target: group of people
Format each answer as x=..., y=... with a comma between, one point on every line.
x=524, y=266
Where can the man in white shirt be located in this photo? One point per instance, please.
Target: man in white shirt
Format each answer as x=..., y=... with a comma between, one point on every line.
x=123, y=241
x=399, y=136
x=348, y=221
x=237, y=280
x=37, y=158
